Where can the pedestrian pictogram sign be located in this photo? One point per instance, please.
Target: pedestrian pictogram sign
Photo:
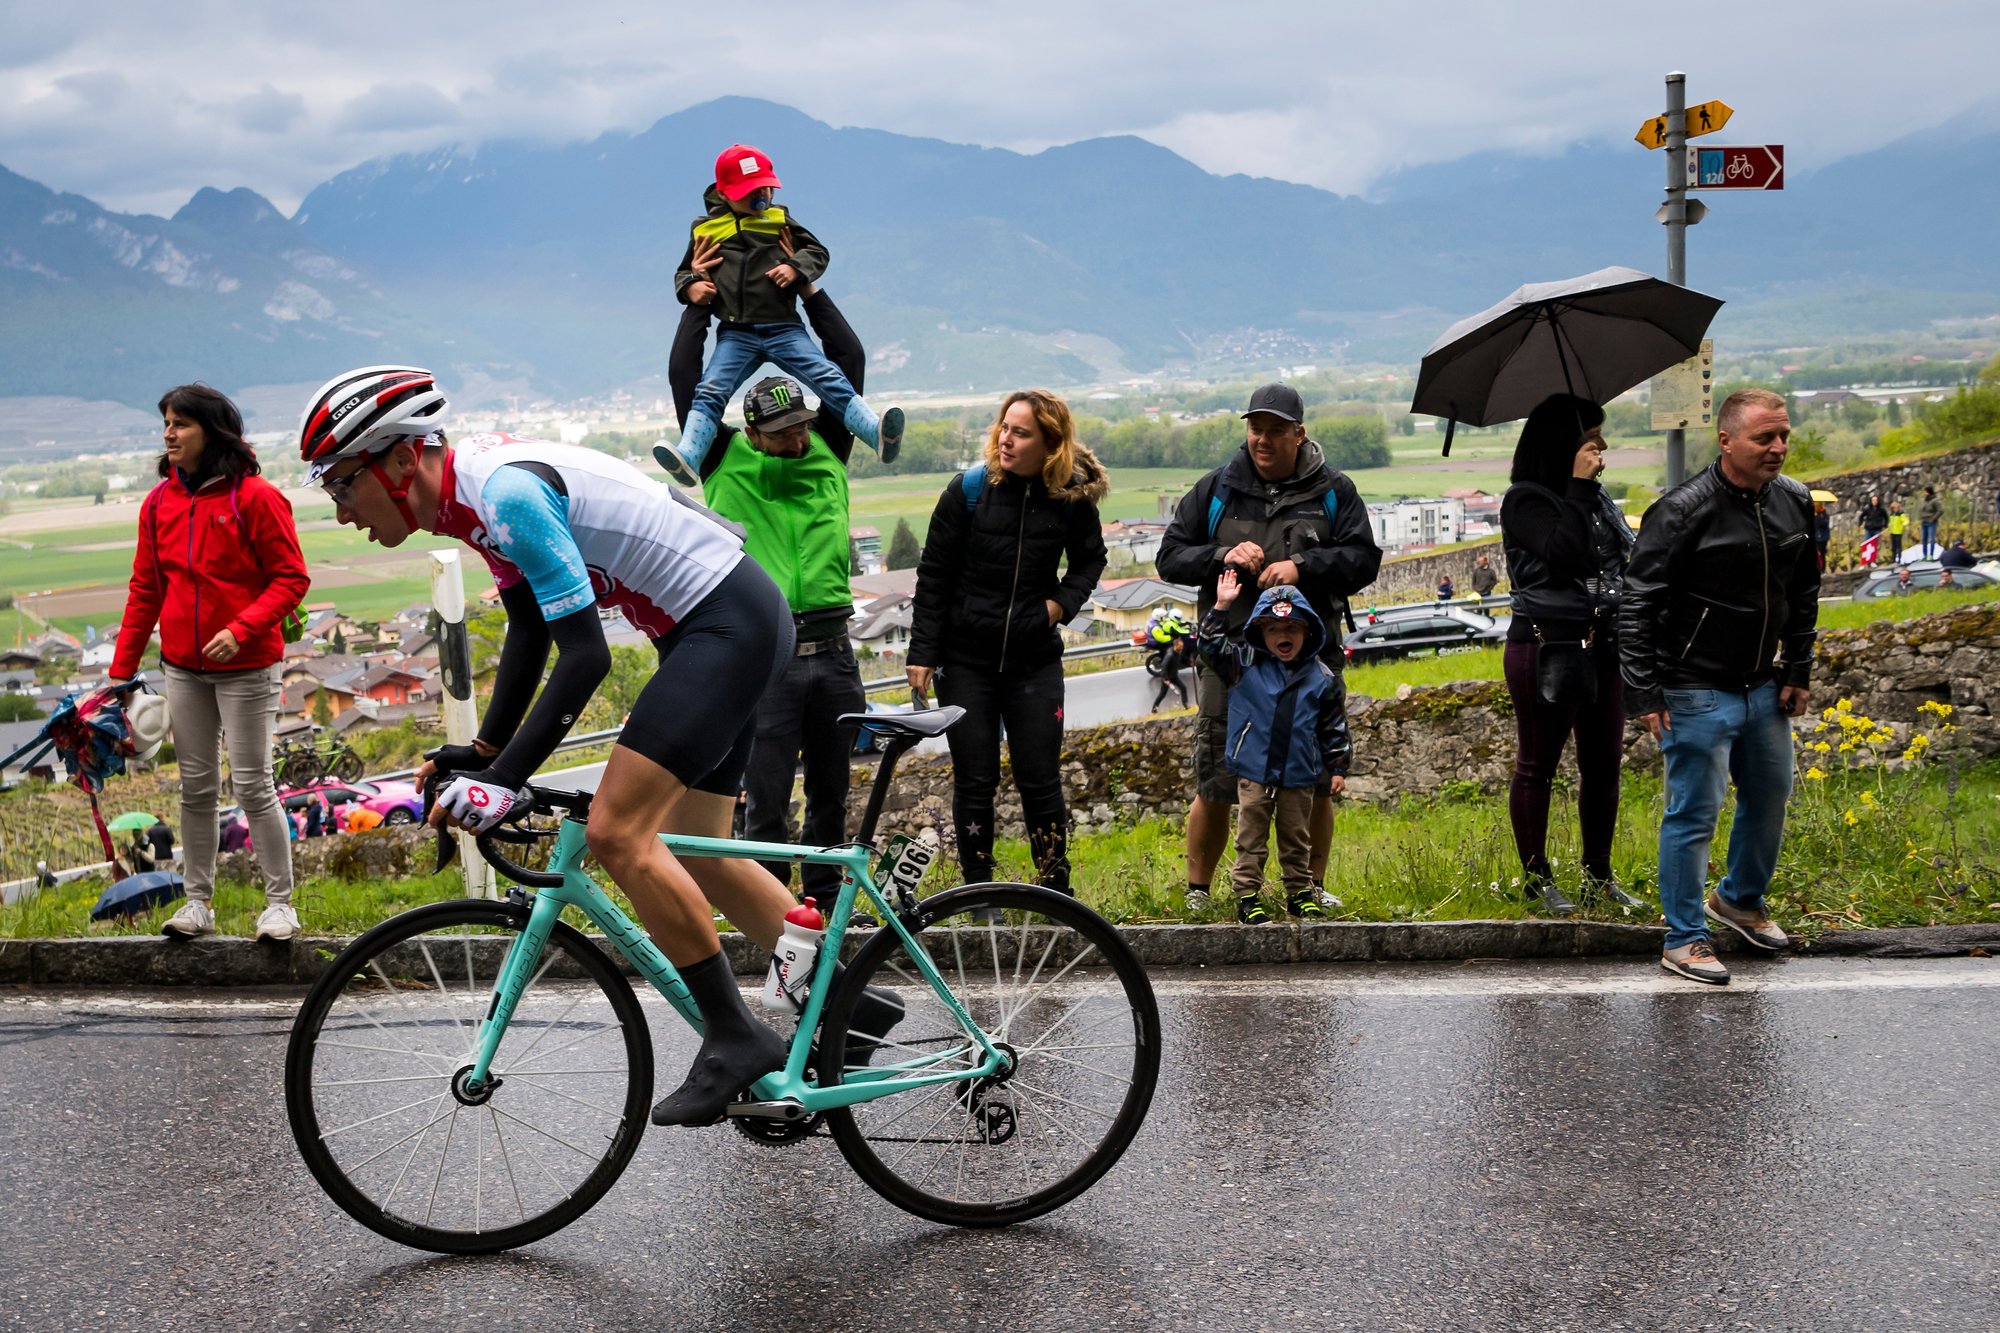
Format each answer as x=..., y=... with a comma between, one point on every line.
x=1684, y=395
x=1740, y=167
x=1704, y=119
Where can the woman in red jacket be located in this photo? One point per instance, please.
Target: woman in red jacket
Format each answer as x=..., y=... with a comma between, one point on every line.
x=218, y=568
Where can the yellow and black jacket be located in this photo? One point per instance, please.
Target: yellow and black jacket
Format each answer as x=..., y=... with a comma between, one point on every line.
x=751, y=246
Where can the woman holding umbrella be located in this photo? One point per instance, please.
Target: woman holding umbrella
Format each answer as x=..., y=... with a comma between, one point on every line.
x=217, y=569
x=1567, y=543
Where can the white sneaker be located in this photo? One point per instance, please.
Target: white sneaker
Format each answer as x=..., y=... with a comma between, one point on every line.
x=194, y=920
x=279, y=922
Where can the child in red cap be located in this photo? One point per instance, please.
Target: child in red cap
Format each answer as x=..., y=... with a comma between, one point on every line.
x=756, y=262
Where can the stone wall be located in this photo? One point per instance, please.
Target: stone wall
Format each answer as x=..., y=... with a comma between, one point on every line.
x=1414, y=578
x=1425, y=740
x=1973, y=472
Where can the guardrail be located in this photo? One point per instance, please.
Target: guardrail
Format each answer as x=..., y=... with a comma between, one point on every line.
x=1106, y=649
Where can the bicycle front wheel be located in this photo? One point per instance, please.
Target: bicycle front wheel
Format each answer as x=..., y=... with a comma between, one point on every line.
x=375, y=1081
x=346, y=767
x=1062, y=996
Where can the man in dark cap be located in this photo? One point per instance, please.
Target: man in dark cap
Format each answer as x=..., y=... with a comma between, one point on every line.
x=1277, y=513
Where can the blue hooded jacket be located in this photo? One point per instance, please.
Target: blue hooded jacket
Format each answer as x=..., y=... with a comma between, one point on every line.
x=1287, y=722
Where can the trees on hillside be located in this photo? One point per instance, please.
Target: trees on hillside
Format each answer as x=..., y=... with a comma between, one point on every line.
x=903, y=549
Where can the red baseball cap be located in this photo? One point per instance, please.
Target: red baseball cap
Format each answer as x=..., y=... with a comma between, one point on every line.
x=741, y=169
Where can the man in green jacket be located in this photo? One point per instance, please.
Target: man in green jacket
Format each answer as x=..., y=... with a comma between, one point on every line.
x=786, y=483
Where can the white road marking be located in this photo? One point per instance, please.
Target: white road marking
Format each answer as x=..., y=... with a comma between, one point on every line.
x=1358, y=981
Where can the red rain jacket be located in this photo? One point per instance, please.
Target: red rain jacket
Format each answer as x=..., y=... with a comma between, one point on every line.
x=224, y=557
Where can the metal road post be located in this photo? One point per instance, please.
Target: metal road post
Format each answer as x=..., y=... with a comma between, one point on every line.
x=461, y=718
x=1676, y=220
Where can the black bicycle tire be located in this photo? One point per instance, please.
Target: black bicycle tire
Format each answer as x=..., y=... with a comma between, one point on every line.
x=851, y=1141
x=346, y=766
x=355, y=1203
x=302, y=770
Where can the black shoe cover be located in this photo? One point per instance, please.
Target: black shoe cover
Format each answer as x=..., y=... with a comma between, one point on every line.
x=721, y=1071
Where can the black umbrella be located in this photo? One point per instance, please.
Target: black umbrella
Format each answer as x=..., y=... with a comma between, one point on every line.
x=1595, y=337
x=136, y=893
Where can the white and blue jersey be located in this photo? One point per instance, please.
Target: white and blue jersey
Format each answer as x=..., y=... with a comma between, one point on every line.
x=617, y=538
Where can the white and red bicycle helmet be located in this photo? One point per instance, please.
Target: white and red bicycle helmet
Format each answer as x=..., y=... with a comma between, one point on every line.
x=365, y=411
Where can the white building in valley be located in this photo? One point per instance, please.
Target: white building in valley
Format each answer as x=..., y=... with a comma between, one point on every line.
x=1405, y=523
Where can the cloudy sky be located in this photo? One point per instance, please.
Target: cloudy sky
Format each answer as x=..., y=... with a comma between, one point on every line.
x=137, y=104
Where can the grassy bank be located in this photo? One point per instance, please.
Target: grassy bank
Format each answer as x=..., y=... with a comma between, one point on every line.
x=1862, y=848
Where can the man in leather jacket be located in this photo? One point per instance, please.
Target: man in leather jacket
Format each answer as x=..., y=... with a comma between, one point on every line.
x=1716, y=631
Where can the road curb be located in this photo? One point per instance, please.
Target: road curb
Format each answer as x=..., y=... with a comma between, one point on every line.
x=129, y=960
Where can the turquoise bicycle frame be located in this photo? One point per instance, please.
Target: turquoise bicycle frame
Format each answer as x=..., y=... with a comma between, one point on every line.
x=860, y=1084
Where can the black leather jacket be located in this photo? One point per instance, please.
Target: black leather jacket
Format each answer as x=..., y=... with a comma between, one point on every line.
x=1722, y=591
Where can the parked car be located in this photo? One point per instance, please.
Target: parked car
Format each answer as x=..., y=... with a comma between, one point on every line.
x=1424, y=632
x=866, y=740
x=396, y=802
x=1925, y=576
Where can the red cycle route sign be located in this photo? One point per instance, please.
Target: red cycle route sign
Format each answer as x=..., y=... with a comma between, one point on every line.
x=1738, y=167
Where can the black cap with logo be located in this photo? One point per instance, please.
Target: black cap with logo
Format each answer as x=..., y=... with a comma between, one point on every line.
x=1280, y=400
x=775, y=402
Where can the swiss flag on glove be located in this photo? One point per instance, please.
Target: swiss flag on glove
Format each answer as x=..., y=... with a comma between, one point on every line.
x=478, y=801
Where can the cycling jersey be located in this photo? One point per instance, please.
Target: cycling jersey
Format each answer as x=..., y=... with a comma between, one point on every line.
x=610, y=534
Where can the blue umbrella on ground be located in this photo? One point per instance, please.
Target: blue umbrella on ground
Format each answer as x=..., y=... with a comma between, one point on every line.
x=137, y=893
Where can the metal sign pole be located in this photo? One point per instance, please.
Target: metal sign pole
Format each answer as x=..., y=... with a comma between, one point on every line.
x=461, y=717
x=1676, y=220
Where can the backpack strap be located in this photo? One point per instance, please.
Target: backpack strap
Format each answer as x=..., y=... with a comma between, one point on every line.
x=972, y=482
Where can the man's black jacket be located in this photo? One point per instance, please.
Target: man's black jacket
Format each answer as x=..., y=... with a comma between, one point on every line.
x=1336, y=557
x=1722, y=591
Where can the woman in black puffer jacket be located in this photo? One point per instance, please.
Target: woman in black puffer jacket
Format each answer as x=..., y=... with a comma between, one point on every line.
x=991, y=589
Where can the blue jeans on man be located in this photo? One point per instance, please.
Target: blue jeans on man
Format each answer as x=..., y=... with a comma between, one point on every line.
x=1716, y=737
x=1929, y=540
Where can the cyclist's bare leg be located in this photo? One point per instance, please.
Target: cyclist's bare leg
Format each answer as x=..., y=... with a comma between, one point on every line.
x=749, y=895
x=635, y=799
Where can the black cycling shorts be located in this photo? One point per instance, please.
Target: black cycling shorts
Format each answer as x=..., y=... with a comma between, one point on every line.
x=697, y=716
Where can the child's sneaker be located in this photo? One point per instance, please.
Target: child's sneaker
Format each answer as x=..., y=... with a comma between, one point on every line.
x=1314, y=904
x=682, y=460
x=195, y=919
x=1250, y=910
x=891, y=432
x=279, y=922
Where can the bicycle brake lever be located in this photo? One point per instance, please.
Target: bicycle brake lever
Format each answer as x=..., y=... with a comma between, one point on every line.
x=447, y=846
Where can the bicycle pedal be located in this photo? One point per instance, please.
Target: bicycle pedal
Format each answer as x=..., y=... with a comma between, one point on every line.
x=781, y=1110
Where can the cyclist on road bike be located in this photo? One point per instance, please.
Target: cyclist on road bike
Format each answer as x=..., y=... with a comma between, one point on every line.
x=564, y=530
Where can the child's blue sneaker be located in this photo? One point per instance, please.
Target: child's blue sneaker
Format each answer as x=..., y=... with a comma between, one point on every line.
x=892, y=435
x=682, y=461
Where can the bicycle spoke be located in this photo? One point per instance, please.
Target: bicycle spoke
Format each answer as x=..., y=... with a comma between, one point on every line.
x=330, y=1133
x=500, y=1142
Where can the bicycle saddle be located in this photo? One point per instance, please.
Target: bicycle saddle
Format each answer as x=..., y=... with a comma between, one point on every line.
x=928, y=722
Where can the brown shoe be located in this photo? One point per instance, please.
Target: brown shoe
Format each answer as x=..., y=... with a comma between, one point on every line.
x=1753, y=925
x=1696, y=962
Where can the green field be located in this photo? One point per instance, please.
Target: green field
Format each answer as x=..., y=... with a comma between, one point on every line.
x=98, y=554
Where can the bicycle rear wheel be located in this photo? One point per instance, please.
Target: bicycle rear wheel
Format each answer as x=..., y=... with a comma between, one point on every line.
x=375, y=1089
x=1060, y=992
x=346, y=766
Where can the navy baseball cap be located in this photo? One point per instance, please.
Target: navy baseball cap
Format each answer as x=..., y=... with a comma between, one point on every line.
x=1280, y=400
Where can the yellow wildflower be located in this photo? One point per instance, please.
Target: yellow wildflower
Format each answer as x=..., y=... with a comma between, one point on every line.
x=1822, y=747
x=1846, y=747
x=1845, y=705
x=1852, y=818
x=1868, y=798
x=1934, y=707
x=1815, y=774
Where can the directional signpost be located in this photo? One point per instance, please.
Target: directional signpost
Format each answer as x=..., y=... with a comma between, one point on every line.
x=1696, y=120
x=1748, y=167
x=1685, y=388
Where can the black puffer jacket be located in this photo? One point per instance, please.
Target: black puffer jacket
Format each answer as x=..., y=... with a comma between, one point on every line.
x=1565, y=558
x=989, y=569
x=1722, y=591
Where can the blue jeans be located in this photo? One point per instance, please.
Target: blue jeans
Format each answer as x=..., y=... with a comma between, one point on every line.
x=1715, y=737
x=1929, y=539
x=741, y=348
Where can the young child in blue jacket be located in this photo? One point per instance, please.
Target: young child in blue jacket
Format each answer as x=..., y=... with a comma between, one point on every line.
x=750, y=261
x=1287, y=738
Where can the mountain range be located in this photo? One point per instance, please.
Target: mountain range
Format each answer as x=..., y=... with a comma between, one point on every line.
x=548, y=269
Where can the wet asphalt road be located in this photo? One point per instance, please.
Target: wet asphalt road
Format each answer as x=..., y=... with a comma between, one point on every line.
x=1488, y=1146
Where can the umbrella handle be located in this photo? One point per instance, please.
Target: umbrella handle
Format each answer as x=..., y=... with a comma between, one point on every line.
x=1450, y=429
